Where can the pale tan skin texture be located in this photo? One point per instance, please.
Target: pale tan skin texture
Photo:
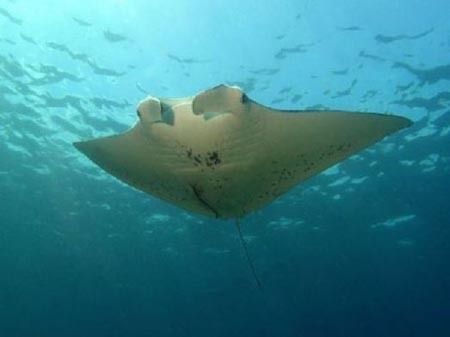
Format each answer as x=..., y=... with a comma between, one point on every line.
x=223, y=155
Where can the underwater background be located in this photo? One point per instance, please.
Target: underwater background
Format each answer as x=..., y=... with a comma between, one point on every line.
x=362, y=249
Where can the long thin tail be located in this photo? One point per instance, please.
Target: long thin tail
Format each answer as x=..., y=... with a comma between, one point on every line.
x=249, y=260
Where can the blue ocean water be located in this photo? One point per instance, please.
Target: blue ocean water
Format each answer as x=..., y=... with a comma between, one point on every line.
x=360, y=250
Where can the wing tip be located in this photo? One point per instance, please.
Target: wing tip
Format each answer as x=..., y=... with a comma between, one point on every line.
x=402, y=122
x=79, y=145
x=85, y=147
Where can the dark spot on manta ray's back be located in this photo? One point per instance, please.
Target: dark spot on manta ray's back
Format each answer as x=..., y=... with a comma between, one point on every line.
x=213, y=158
x=210, y=159
x=198, y=158
x=113, y=37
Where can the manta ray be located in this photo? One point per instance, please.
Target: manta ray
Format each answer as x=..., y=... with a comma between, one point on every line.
x=223, y=155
